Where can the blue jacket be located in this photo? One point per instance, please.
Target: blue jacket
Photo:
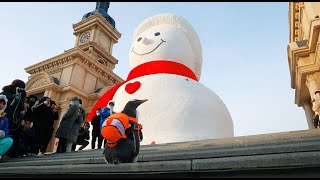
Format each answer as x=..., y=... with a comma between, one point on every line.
x=104, y=113
x=4, y=124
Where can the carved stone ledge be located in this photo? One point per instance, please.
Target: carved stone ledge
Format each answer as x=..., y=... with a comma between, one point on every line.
x=50, y=65
x=101, y=71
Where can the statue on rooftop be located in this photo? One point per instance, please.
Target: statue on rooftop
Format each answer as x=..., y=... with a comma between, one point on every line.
x=101, y=8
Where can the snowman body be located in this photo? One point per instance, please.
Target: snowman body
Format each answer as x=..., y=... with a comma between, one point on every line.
x=178, y=109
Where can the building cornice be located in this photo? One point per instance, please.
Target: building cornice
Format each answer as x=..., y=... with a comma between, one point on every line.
x=295, y=52
x=42, y=87
x=314, y=34
x=96, y=47
x=294, y=19
x=72, y=88
x=75, y=55
x=52, y=63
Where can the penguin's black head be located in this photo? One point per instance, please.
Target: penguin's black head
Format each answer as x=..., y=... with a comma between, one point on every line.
x=130, y=108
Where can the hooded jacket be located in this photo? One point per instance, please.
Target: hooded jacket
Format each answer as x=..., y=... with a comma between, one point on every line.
x=4, y=124
x=104, y=113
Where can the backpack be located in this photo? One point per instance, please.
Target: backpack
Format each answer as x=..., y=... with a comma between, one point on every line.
x=115, y=126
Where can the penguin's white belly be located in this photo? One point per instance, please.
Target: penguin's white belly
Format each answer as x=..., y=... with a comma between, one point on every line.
x=178, y=109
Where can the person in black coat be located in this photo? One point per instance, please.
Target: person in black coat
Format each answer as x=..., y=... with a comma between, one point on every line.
x=95, y=122
x=42, y=116
x=68, y=130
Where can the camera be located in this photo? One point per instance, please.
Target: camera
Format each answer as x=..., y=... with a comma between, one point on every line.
x=17, y=96
x=19, y=90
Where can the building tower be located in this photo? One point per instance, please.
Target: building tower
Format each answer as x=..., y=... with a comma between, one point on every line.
x=85, y=71
x=303, y=54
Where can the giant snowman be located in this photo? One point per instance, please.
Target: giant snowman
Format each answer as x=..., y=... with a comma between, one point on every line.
x=165, y=62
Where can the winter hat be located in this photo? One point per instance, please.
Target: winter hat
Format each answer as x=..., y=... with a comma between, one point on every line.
x=75, y=99
x=3, y=98
x=18, y=83
x=111, y=107
x=111, y=102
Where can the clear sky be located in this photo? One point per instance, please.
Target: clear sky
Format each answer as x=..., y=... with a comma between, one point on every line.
x=244, y=48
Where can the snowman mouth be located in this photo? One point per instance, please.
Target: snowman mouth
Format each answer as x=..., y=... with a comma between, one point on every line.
x=162, y=41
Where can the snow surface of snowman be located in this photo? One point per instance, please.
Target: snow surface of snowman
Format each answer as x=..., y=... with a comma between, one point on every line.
x=179, y=108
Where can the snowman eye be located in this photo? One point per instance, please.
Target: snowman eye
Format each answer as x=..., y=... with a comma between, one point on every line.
x=139, y=39
x=157, y=34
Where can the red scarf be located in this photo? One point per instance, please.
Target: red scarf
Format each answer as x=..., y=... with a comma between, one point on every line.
x=152, y=67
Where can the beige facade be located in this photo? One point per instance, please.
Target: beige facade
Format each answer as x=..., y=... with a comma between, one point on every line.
x=85, y=71
x=303, y=53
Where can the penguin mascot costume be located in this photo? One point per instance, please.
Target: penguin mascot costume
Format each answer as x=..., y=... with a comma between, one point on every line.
x=123, y=134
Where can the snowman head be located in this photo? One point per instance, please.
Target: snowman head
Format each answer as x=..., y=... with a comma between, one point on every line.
x=166, y=37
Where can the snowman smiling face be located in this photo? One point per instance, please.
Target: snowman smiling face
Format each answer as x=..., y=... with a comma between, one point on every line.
x=161, y=42
x=147, y=41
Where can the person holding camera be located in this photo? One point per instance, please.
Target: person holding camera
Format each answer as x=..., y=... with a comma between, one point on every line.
x=83, y=137
x=27, y=113
x=15, y=94
x=42, y=116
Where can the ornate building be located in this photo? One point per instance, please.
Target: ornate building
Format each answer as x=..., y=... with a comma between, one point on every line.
x=303, y=53
x=85, y=71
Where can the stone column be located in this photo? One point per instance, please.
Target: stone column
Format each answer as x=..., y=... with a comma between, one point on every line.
x=307, y=106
